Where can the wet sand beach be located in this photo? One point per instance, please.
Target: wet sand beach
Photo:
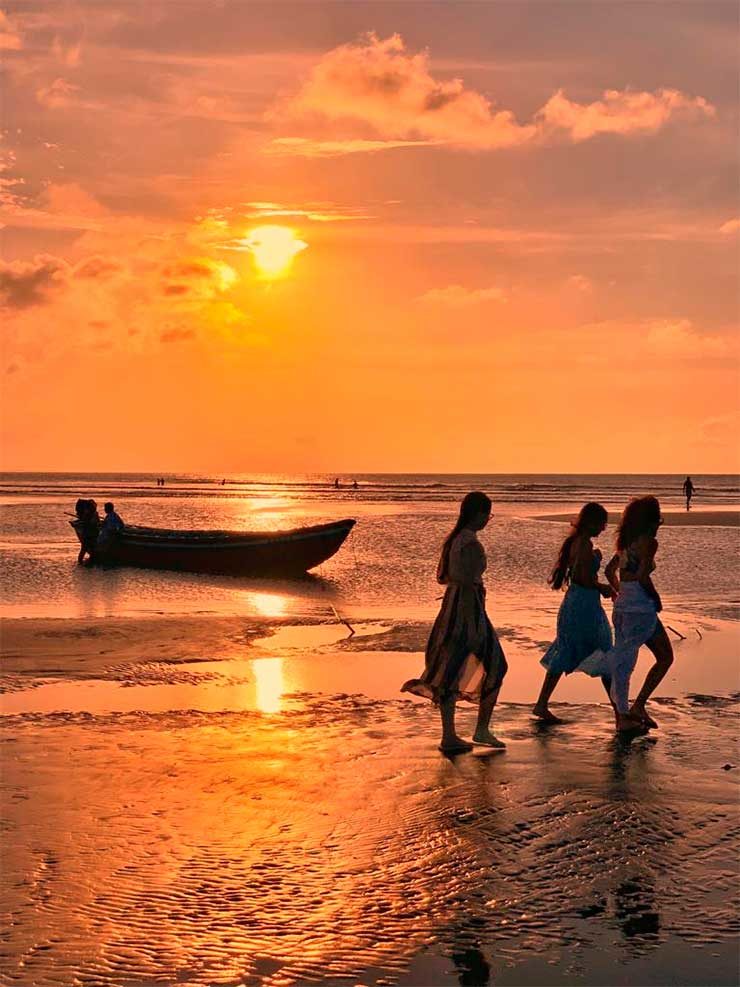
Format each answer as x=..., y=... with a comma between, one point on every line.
x=278, y=814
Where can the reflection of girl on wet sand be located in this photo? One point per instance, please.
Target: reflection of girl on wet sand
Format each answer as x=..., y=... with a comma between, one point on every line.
x=582, y=624
x=635, y=615
x=464, y=659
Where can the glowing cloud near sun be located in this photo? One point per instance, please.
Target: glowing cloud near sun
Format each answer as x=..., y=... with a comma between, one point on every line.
x=273, y=249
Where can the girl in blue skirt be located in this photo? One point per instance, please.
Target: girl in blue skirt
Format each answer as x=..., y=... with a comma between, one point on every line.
x=582, y=624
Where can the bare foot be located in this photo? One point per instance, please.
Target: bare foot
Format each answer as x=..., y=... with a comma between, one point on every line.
x=486, y=739
x=544, y=714
x=642, y=714
x=626, y=723
x=455, y=745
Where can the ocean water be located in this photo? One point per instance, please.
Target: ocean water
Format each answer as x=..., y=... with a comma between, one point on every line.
x=384, y=570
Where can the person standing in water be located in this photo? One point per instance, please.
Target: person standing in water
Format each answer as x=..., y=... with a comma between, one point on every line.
x=464, y=659
x=89, y=528
x=635, y=615
x=688, y=491
x=582, y=624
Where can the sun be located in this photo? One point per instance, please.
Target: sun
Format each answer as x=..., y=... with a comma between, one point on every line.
x=273, y=249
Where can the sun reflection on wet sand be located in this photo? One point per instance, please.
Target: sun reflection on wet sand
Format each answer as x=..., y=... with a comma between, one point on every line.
x=267, y=604
x=268, y=677
x=242, y=848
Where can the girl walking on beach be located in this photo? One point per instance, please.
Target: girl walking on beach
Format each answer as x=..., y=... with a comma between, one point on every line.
x=582, y=626
x=464, y=659
x=635, y=615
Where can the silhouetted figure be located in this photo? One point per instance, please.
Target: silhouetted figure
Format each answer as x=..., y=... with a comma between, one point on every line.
x=112, y=525
x=336, y=483
x=688, y=489
x=354, y=484
x=88, y=529
x=223, y=483
x=582, y=624
x=464, y=659
x=635, y=615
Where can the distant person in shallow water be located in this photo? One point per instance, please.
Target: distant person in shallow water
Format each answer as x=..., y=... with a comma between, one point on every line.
x=635, y=615
x=582, y=624
x=688, y=491
x=464, y=659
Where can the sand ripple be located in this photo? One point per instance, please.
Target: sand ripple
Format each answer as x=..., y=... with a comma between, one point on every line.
x=332, y=842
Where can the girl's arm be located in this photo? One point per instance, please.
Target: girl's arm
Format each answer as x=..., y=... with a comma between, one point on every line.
x=612, y=572
x=583, y=568
x=644, y=578
x=612, y=575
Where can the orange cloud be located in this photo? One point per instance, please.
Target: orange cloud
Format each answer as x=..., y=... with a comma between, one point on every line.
x=24, y=284
x=176, y=335
x=677, y=338
x=97, y=267
x=731, y=226
x=57, y=94
x=619, y=112
x=304, y=147
x=319, y=212
x=376, y=83
x=455, y=296
x=68, y=55
x=10, y=40
x=198, y=278
x=580, y=283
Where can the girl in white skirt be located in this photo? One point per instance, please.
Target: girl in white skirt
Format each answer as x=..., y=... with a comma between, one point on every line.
x=635, y=616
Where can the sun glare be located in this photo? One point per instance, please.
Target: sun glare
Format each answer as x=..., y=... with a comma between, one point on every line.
x=273, y=249
x=268, y=677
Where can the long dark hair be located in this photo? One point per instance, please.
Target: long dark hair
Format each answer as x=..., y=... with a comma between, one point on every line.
x=640, y=516
x=472, y=504
x=591, y=514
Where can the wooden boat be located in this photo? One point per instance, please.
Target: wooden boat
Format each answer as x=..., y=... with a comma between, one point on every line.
x=239, y=552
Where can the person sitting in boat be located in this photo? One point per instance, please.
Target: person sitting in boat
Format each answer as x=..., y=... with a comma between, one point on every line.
x=112, y=525
x=88, y=528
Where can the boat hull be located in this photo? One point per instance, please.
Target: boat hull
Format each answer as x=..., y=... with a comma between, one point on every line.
x=240, y=553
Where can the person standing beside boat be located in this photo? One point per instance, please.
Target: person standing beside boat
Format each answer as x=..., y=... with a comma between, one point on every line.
x=582, y=626
x=464, y=659
x=88, y=529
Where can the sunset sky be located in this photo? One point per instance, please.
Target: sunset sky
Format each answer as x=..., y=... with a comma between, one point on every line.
x=507, y=236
